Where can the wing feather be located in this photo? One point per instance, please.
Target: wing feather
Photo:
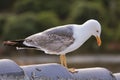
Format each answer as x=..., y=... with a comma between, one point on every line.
x=53, y=40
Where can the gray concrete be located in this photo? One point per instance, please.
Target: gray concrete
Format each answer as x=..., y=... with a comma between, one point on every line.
x=9, y=70
x=51, y=71
x=57, y=72
x=96, y=73
x=117, y=75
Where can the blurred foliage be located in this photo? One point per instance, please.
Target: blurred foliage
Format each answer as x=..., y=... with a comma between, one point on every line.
x=21, y=18
x=19, y=26
x=47, y=20
x=6, y=5
x=91, y=9
x=60, y=7
x=2, y=23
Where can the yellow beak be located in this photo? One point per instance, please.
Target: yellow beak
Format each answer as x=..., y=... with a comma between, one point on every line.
x=98, y=40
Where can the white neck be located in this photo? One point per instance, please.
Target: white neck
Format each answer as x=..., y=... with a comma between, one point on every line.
x=81, y=34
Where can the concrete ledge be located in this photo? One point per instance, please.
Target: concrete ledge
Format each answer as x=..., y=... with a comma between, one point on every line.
x=9, y=70
x=96, y=73
x=50, y=71
x=117, y=75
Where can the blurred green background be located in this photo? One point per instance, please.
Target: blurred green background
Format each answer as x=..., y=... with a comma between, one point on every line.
x=21, y=18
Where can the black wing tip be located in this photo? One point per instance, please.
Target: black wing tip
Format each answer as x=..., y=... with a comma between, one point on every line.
x=17, y=43
x=8, y=43
x=13, y=42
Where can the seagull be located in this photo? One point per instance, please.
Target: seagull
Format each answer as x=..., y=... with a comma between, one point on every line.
x=61, y=39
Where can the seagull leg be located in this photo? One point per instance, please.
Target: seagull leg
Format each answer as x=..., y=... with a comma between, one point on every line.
x=61, y=60
x=64, y=63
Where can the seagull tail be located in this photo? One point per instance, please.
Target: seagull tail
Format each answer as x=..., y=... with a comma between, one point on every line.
x=17, y=43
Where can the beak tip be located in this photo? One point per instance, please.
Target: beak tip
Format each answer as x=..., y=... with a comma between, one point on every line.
x=98, y=41
x=99, y=44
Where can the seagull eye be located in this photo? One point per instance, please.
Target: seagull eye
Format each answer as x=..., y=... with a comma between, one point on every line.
x=97, y=31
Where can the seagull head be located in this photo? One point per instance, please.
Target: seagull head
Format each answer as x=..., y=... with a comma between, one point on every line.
x=94, y=28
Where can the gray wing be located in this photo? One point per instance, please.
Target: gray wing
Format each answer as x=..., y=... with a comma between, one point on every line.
x=53, y=40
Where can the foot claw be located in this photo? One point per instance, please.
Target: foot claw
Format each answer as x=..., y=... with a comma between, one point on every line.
x=72, y=70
